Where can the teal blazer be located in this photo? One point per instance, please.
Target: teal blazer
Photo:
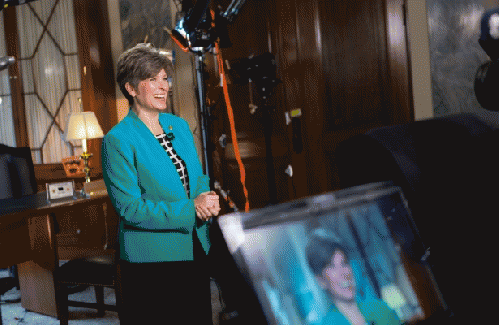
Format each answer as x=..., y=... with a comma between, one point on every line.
x=158, y=220
x=375, y=311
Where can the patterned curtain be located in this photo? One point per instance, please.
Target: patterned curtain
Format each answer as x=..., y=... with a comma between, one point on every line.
x=7, y=135
x=50, y=72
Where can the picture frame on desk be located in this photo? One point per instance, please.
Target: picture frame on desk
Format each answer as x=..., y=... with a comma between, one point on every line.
x=60, y=191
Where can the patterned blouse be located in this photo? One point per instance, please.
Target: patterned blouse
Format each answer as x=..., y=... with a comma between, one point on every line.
x=177, y=161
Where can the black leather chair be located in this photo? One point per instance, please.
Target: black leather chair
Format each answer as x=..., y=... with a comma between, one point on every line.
x=17, y=173
x=98, y=272
x=448, y=169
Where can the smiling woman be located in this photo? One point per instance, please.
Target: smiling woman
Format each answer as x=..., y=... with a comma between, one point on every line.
x=156, y=183
x=151, y=94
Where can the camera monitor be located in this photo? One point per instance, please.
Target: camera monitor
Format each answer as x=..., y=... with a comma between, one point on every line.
x=348, y=257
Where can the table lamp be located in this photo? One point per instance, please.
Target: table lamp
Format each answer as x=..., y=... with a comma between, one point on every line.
x=83, y=126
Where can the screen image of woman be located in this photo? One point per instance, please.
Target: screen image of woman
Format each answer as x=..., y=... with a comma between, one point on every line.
x=332, y=268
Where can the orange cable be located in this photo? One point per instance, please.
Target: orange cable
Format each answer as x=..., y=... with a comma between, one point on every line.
x=230, y=113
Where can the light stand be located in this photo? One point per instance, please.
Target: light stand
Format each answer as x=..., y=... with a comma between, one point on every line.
x=194, y=32
x=260, y=71
x=203, y=110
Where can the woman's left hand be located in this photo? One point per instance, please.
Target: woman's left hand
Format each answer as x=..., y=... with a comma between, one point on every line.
x=207, y=205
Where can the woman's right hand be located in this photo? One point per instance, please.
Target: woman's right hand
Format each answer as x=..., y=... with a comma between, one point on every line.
x=207, y=205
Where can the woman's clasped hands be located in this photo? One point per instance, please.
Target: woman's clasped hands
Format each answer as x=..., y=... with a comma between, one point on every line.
x=207, y=205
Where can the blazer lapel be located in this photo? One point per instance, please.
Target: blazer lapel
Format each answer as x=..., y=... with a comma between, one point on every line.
x=157, y=150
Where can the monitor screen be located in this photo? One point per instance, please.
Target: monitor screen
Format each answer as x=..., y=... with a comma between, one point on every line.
x=347, y=257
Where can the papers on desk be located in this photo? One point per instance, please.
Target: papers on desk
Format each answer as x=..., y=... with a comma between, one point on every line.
x=97, y=193
x=95, y=188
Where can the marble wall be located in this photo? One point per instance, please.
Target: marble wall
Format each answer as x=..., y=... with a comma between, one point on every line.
x=144, y=21
x=455, y=55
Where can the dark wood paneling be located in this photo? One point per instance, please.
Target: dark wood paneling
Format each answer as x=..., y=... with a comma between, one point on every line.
x=249, y=35
x=96, y=66
x=311, y=45
x=285, y=44
x=398, y=62
x=355, y=63
x=366, y=71
x=344, y=64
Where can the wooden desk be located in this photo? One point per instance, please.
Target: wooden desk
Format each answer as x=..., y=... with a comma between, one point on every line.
x=36, y=235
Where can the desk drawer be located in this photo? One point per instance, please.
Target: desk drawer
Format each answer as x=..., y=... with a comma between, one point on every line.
x=88, y=227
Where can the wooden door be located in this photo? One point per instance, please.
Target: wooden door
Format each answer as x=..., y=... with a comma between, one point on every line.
x=344, y=70
x=249, y=37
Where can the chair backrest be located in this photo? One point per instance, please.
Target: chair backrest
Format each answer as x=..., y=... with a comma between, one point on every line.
x=431, y=160
x=413, y=155
x=447, y=169
x=17, y=172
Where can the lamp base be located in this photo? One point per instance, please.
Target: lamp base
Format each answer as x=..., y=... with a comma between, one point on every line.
x=86, y=157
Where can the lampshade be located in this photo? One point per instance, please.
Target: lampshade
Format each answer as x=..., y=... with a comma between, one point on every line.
x=392, y=295
x=83, y=125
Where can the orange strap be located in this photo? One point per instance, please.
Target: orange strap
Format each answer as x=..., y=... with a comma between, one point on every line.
x=230, y=113
x=183, y=48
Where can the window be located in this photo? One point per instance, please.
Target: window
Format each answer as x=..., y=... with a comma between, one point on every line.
x=7, y=134
x=49, y=69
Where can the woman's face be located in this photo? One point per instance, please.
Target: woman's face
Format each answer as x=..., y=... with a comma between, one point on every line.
x=338, y=278
x=151, y=94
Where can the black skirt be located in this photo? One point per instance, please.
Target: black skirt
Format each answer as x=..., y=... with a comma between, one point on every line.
x=165, y=292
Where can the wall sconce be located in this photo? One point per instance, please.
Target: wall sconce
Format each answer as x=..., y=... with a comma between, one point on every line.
x=83, y=126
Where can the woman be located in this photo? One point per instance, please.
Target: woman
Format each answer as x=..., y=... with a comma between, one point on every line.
x=331, y=266
x=156, y=184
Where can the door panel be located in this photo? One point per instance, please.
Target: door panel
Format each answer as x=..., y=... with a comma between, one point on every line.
x=341, y=69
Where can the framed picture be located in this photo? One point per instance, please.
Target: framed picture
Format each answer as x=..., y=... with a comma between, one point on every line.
x=56, y=191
